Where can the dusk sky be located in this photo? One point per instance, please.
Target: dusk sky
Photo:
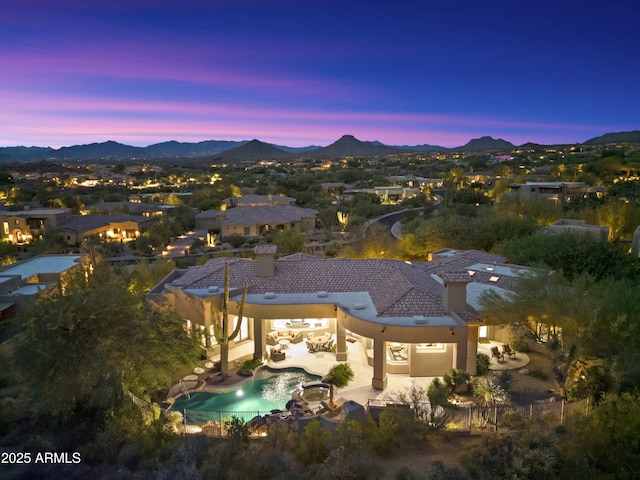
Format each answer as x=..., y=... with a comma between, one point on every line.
x=303, y=73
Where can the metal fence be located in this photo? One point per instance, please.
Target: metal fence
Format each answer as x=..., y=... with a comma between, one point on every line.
x=469, y=418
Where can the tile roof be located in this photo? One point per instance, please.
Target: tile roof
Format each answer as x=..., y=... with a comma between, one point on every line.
x=265, y=249
x=454, y=276
x=266, y=214
x=83, y=223
x=396, y=288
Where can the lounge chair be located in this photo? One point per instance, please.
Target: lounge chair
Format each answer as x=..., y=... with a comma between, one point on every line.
x=311, y=347
x=507, y=350
x=495, y=353
x=278, y=355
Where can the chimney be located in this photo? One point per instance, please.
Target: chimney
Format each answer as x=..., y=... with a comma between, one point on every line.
x=266, y=255
x=454, y=291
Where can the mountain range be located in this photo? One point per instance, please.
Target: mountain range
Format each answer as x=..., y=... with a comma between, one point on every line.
x=253, y=150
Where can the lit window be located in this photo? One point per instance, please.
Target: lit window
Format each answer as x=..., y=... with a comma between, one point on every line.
x=494, y=279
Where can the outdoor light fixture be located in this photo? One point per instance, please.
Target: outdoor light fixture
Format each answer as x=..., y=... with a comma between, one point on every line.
x=384, y=328
x=452, y=331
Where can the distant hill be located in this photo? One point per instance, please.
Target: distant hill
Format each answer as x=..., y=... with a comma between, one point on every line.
x=186, y=149
x=350, y=145
x=11, y=154
x=619, y=137
x=424, y=148
x=297, y=149
x=96, y=151
x=486, y=143
x=530, y=146
x=255, y=150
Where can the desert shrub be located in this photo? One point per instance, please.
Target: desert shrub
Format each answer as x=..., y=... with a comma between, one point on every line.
x=313, y=446
x=438, y=393
x=236, y=241
x=488, y=391
x=483, y=361
x=505, y=379
x=237, y=432
x=514, y=421
x=340, y=375
x=350, y=435
x=520, y=345
x=537, y=372
x=382, y=434
x=456, y=379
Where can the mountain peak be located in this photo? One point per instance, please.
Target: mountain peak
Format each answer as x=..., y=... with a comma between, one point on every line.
x=487, y=143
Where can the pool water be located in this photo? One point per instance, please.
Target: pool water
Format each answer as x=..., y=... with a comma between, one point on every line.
x=269, y=391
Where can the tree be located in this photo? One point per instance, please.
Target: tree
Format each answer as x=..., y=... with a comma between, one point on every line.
x=339, y=375
x=604, y=443
x=290, y=241
x=313, y=446
x=572, y=254
x=221, y=325
x=90, y=342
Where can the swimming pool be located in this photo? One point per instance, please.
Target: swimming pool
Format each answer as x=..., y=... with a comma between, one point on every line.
x=270, y=390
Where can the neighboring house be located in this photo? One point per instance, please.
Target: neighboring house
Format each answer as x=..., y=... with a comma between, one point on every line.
x=254, y=221
x=252, y=200
x=387, y=194
x=21, y=282
x=25, y=225
x=118, y=226
x=428, y=310
x=557, y=192
x=131, y=208
x=580, y=226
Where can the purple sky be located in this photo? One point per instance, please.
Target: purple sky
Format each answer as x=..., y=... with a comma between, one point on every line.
x=306, y=72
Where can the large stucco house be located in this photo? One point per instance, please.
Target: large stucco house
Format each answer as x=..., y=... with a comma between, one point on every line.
x=254, y=221
x=427, y=309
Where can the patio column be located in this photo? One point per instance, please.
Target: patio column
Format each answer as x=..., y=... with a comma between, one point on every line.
x=461, y=354
x=341, y=340
x=472, y=349
x=379, y=379
x=207, y=323
x=259, y=339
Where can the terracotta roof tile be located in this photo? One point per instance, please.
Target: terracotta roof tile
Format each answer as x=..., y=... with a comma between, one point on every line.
x=396, y=288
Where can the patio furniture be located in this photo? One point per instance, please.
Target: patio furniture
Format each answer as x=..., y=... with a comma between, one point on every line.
x=291, y=335
x=495, y=353
x=284, y=343
x=507, y=350
x=328, y=345
x=278, y=355
x=311, y=347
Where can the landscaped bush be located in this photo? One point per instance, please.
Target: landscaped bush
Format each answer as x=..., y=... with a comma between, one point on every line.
x=438, y=393
x=456, y=380
x=520, y=345
x=505, y=379
x=236, y=241
x=483, y=361
x=248, y=366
